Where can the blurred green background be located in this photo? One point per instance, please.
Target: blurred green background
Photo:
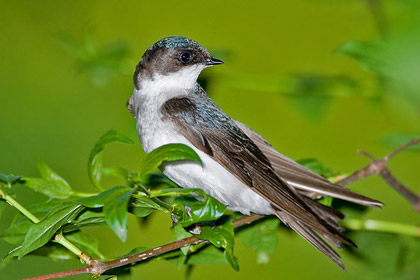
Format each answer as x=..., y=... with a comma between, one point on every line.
x=290, y=73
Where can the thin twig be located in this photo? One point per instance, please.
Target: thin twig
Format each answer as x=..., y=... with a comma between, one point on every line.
x=403, y=147
x=377, y=166
x=97, y=267
x=401, y=189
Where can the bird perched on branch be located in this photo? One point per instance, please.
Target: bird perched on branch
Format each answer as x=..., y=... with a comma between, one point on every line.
x=239, y=168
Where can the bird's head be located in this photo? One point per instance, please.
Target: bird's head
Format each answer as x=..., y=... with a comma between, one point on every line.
x=177, y=57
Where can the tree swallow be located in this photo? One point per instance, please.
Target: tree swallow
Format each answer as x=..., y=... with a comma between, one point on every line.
x=239, y=168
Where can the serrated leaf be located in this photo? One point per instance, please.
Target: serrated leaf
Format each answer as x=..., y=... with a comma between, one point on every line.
x=10, y=179
x=95, y=157
x=39, y=234
x=168, y=152
x=115, y=210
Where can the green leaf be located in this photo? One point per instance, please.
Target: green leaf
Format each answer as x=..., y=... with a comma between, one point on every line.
x=114, y=202
x=176, y=192
x=145, y=202
x=207, y=255
x=189, y=210
x=16, y=232
x=396, y=59
x=100, y=199
x=180, y=233
x=115, y=171
x=86, y=243
x=12, y=255
x=88, y=218
x=50, y=184
x=364, y=52
x=261, y=237
x=10, y=179
x=48, y=188
x=157, y=181
x=115, y=210
x=221, y=236
x=169, y=152
x=39, y=234
x=144, y=206
x=317, y=167
x=48, y=174
x=95, y=157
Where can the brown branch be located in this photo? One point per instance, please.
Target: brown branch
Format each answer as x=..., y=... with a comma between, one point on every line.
x=376, y=167
x=379, y=167
x=401, y=189
x=97, y=267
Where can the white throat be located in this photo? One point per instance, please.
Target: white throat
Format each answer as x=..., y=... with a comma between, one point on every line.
x=171, y=83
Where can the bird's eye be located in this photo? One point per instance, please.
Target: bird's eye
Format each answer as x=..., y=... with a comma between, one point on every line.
x=186, y=57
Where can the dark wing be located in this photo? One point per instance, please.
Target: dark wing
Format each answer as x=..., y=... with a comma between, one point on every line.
x=213, y=132
x=302, y=178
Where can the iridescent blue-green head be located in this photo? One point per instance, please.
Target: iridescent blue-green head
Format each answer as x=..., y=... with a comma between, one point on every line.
x=170, y=55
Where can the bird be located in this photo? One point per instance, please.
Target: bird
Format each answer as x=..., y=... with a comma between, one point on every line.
x=238, y=166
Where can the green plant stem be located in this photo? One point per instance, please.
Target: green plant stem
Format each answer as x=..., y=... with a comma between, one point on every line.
x=59, y=238
x=382, y=226
x=19, y=207
x=158, y=201
x=83, y=194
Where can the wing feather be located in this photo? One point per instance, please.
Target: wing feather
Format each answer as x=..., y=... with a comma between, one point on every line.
x=302, y=178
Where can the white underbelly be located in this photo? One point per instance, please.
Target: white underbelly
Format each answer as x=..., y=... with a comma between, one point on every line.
x=210, y=176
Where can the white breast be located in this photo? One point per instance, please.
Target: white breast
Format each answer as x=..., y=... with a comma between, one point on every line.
x=213, y=178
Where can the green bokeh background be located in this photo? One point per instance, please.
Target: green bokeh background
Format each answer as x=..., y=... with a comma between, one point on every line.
x=67, y=73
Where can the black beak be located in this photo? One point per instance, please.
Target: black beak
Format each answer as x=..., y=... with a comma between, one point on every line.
x=213, y=61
